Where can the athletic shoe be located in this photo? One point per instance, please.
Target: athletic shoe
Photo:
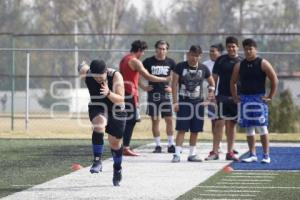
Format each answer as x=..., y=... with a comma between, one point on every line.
x=212, y=156
x=171, y=149
x=129, y=152
x=157, y=149
x=194, y=158
x=176, y=158
x=96, y=167
x=117, y=177
x=231, y=156
x=235, y=151
x=266, y=159
x=252, y=158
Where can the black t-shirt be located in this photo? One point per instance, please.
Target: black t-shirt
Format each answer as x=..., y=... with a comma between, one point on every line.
x=160, y=68
x=252, y=78
x=191, y=79
x=223, y=67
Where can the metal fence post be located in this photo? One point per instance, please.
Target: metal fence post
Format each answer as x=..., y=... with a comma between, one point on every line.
x=27, y=90
x=13, y=73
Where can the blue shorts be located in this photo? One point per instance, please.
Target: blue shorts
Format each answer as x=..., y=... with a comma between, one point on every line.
x=190, y=116
x=254, y=111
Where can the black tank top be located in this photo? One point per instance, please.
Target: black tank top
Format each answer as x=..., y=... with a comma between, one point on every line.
x=94, y=90
x=252, y=78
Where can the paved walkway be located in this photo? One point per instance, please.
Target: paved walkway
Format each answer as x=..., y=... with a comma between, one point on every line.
x=149, y=176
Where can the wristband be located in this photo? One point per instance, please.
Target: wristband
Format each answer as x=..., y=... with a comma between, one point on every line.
x=212, y=88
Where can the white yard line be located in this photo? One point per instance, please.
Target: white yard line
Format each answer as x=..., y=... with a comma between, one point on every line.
x=246, y=180
x=250, y=187
x=262, y=176
x=233, y=191
x=228, y=195
x=219, y=199
x=252, y=173
x=230, y=183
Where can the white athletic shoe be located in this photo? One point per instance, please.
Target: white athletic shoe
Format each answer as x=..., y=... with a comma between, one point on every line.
x=175, y=159
x=266, y=159
x=251, y=158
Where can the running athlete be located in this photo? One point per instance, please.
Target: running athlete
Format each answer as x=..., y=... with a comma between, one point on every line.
x=106, y=113
x=252, y=73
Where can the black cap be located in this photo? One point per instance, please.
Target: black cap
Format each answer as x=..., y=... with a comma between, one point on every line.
x=98, y=67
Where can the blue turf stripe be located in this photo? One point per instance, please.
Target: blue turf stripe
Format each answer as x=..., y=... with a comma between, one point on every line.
x=282, y=158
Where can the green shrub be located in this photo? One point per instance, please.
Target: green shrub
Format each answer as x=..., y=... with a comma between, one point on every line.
x=284, y=114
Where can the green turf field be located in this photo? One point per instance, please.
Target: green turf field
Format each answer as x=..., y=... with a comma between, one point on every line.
x=27, y=162
x=246, y=185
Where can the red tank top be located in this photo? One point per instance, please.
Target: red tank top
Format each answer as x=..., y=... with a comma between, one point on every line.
x=131, y=78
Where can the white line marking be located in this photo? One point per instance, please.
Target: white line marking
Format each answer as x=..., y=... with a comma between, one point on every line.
x=230, y=183
x=229, y=195
x=235, y=191
x=252, y=173
x=22, y=185
x=249, y=187
x=245, y=180
x=218, y=199
x=251, y=176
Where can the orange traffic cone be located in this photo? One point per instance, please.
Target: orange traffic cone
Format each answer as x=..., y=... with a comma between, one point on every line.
x=227, y=169
x=76, y=166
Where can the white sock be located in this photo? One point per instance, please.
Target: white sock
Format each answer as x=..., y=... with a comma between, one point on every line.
x=170, y=140
x=192, y=150
x=157, y=141
x=178, y=150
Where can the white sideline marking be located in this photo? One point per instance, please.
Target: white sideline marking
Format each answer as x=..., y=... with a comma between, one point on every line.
x=230, y=183
x=248, y=187
x=253, y=180
x=251, y=177
x=218, y=199
x=229, y=195
x=22, y=185
x=235, y=191
x=252, y=173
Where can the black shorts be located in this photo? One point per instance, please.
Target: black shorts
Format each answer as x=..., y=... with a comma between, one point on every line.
x=132, y=111
x=162, y=107
x=115, y=121
x=227, y=109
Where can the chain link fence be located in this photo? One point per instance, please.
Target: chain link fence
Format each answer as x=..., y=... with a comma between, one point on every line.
x=42, y=80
